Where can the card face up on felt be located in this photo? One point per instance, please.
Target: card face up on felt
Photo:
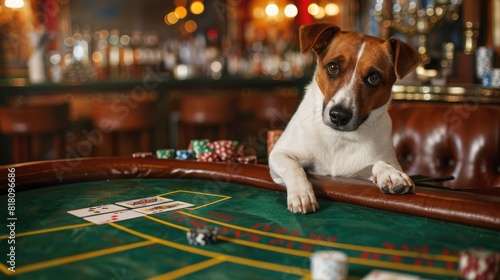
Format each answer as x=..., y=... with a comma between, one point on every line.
x=159, y=208
x=96, y=210
x=141, y=202
x=114, y=217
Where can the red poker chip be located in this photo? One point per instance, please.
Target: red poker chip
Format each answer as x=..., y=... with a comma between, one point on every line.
x=208, y=157
x=479, y=264
x=225, y=149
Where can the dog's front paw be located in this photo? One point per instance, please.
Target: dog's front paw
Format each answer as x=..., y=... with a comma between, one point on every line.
x=391, y=180
x=302, y=199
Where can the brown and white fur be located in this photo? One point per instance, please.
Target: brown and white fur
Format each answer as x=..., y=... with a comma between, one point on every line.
x=342, y=128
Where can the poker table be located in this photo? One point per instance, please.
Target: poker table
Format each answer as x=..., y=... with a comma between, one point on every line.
x=419, y=234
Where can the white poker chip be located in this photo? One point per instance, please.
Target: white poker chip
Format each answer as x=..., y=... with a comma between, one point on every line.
x=202, y=236
x=329, y=265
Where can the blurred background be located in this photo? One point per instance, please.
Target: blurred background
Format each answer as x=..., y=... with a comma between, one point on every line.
x=107, y=59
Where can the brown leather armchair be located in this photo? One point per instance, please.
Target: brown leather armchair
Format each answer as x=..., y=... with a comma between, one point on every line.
x=449, y=139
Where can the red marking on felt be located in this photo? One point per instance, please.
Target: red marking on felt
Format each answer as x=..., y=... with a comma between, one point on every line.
x=307, y=247
x=365, y=255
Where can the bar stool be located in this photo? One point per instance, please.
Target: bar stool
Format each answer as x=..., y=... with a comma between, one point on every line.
x=30, y=125
x=126, y=123
x=208, y=116
x=274, y=111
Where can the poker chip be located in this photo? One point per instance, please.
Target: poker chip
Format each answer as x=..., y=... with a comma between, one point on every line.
x=183, y=155
x=142, y=155
x=247, y=159
x=328, y=265
x=202, y=236
x=208, y=157
x=272, y=138
x=479, y=264
x=225, y=149
x=165, y=153
x=199, y=146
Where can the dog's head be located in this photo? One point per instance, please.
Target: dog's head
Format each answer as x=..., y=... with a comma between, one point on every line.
x=355, y=72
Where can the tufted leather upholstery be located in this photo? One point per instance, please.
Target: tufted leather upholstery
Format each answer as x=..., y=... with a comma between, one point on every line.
x=442, y=139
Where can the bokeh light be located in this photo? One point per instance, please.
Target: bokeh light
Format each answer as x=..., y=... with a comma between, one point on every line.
x=291, y=10
x=197, y=7
x=171, y=18
x=272, y=10
x=180, y=12
x=313, y=9
x=332, y=9
x=190, y=26
x=14, y=4
x=320, y=14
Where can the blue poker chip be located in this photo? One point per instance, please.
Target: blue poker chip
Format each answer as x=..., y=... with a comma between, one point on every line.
x=183, y=155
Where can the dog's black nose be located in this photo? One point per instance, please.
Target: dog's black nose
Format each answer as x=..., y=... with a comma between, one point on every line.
x=340, y=116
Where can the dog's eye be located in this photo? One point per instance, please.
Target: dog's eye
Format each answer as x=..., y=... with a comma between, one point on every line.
x=374, y=79
x=333, y=69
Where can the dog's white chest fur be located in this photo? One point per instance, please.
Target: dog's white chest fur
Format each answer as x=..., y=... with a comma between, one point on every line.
x=325, y=151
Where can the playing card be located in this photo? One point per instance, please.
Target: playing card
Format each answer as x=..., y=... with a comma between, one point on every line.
x=114, y=217
x=96, y=210
x=144, y=201
x=388, y=275
x=159, y=208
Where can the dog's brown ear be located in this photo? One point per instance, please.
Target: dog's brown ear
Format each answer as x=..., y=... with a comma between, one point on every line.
x=405, y=57
x=316, y=36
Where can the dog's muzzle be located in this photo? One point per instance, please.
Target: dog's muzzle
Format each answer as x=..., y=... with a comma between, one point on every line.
x=340, y=116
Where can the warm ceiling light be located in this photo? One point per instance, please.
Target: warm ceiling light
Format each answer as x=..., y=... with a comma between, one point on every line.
x=190, y=26
x=171, y=18
x=272, y=10
x=197, y=7
x=332, y=9
x=320, y=14
x=180, y=12
x=313, y=9
x=291, y=10
x=14, y=4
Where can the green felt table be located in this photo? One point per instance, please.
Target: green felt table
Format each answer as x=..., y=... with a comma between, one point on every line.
x=258, y=237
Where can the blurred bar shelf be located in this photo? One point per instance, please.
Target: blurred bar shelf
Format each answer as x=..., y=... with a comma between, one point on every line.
x=470, y=93
x=451, y=93
x=156, y=83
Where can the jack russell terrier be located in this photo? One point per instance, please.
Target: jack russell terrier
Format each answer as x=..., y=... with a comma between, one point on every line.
x=341, y=127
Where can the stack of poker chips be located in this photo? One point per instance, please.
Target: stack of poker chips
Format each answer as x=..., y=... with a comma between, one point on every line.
x=206, y=151
x=272, y=138
x=479, y=264
x=202, y=236
x=329, y=265
x=183, y=154
x=225, y=150
x=165, y=153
